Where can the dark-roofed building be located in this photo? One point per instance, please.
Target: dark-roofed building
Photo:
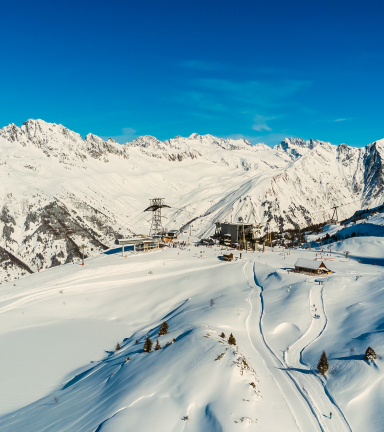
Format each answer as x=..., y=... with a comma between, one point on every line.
x=311, y=266
x=172, y=233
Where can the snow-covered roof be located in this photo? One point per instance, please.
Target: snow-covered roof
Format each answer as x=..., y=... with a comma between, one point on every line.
x=135, y=240
x=310, y=264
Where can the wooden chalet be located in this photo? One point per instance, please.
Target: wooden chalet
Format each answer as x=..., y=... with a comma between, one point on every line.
x=227, y=257
x=311, y=266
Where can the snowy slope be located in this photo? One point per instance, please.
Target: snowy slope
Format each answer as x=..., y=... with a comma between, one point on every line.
x=59, y=191
x=58, y=329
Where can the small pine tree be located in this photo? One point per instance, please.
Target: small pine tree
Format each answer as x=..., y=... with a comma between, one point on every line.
x=167, y=344
x=158, y=346
x=117, y=346
x=231, y=340
x=323, y=365
x=370, y=354
x=173, y=340
x=212, y=302
x=163, y=329
x=127, y=359
x=222, y=335
x=147, y=345
x=137, y=341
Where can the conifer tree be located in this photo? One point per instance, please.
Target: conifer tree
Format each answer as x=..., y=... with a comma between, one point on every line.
x=231, y=340
x=222, y=335
x=158, y=346
x=117, y=346
x=147, y=345
x=370, y=354
x=163, y=329
x=323, y=365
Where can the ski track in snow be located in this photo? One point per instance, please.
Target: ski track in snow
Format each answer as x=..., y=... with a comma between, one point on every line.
x=301, y=411
x=313, y=386
x=309, y=385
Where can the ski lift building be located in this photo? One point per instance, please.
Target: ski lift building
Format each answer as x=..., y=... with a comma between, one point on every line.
x=139, y=243
x=172, y=234
x=233, y=232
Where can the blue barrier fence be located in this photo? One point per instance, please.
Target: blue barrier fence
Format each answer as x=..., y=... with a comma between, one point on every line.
x=118, y=250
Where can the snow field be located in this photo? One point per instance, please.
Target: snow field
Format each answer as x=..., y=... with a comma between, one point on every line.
x=66, y=351
x=182, y=370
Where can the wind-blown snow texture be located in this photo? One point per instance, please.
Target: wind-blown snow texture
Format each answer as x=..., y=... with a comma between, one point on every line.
x=59, y=191
x=59, y=370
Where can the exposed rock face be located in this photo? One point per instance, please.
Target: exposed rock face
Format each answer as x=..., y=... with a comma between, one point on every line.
x=59, y=192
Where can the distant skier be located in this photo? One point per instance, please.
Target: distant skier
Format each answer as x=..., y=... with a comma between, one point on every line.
x=330, y=415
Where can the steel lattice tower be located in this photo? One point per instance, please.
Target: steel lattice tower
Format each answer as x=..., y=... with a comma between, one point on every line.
x=156, y=204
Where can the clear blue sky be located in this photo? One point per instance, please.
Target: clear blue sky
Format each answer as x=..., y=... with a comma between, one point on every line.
x=255, y=69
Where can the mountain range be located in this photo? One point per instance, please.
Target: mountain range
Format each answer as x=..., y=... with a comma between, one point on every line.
x=62, y=195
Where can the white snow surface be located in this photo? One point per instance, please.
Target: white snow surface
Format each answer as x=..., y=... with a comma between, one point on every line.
x=59, y=370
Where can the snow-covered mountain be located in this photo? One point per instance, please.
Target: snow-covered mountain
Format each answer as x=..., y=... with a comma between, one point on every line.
x=60, y=192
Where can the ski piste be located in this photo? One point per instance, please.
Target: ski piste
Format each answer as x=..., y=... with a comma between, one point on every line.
x=59, y=329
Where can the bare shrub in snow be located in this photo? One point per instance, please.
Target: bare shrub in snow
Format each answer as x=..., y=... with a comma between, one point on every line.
x=212, y=302
x=158, y=346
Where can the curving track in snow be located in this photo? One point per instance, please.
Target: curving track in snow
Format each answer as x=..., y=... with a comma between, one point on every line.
x=310, y=383
x=305, y=392
x=299, y=405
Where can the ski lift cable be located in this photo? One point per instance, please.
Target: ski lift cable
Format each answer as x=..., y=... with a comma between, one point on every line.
x=337, y=206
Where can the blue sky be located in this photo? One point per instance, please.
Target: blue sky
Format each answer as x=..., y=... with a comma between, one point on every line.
x=254, y=69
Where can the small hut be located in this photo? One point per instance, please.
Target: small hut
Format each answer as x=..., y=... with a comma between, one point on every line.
x=311, y=266
x=227, y=257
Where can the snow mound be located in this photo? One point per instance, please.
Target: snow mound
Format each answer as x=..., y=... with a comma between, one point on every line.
x=286, y=328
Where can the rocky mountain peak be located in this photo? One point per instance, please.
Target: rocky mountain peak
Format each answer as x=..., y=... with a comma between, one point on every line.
x=147, y=141
x=297, y=147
